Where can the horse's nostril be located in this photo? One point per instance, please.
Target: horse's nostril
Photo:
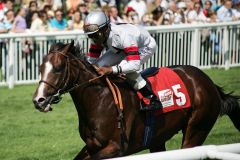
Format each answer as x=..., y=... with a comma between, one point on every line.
x=40, y=100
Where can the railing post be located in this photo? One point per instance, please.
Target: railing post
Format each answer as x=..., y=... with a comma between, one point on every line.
x=226, y=48
x=195, y=48
x=11, y=64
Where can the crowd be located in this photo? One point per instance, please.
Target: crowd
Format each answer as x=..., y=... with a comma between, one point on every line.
x=58, y=15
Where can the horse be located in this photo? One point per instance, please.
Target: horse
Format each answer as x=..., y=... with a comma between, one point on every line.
x=65, y=70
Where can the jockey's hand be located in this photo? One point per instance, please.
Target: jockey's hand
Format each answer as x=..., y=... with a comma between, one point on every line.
x=104, y=70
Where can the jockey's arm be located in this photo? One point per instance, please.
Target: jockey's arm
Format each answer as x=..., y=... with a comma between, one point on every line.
x=130, y=64
x=94, y=52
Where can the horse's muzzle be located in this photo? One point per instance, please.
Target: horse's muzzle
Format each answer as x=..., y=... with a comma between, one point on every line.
x=42, y=104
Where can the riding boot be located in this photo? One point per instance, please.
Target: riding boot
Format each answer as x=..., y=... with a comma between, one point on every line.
x=154, y=102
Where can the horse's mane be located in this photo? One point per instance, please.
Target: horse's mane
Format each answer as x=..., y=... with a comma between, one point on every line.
x=76, y=50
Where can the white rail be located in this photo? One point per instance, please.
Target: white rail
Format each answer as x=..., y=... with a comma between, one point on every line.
x=223, y=152
x=201, y=45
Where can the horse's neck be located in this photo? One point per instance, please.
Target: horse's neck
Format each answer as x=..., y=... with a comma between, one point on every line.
x=84, y=96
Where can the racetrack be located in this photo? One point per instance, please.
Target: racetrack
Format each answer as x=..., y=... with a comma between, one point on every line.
x=27, y=134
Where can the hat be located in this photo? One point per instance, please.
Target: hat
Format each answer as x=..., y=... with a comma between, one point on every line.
x=129, y=9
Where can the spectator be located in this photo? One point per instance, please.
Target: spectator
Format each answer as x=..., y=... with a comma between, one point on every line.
x=131, y=16
x=45, y=22
x=207, y=8
x=9, y=19
x=77, y=22
x=31, y=9
x=213, y=17
x=226, y=13
x=47, y=8
x=190, y=13
x=25, y=3
x=19, y=24
x=157, y=3
x=50, y=16
x=83, y=10
x=214, y=38
x=58, y=23
x=158, y=15
x=3, y=27
x=146, y=20
x=55, y=4
x=173, y=15
x=1, y=10
x=8, y=5
x=113, y=15
x=37, y=24
x=236, y=7
x=139, y=6
x=200, y=17
x=71, y=6
x=91, y=5
x=109, y=3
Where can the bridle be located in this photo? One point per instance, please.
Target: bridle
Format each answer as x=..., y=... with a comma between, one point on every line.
x=63, y=88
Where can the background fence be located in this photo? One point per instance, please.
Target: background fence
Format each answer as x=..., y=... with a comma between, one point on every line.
x=204, y=46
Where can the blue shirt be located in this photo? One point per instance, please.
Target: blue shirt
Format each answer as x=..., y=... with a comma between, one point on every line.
x=59, y=25
x=5, y=25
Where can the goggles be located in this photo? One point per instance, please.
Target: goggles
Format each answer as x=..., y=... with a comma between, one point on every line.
x=90, y=28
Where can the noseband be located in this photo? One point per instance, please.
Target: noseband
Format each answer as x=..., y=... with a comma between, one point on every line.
x=62, y=89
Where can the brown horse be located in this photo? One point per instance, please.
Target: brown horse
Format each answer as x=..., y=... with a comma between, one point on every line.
x=63, y=70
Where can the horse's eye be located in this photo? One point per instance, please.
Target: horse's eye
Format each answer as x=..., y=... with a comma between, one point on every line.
x=57, y=70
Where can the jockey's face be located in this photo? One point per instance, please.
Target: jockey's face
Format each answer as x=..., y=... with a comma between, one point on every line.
x=100, y=36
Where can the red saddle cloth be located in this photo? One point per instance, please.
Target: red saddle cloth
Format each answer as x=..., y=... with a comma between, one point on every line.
x=170, y=89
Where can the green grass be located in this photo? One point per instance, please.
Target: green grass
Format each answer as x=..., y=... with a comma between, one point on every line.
x=27, y=134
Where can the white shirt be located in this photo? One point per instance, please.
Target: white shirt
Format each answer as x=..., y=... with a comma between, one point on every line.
x=225, y=14
x=135, y=41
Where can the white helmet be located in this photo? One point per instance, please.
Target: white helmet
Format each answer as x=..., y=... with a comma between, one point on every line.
x=97, y=26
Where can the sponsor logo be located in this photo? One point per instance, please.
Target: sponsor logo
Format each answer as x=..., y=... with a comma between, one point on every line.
x=166, y=97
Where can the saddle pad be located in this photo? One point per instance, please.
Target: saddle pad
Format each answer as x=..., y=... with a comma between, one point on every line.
x=170, y=89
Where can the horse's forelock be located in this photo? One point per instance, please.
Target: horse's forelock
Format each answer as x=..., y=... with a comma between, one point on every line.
x=56, y=47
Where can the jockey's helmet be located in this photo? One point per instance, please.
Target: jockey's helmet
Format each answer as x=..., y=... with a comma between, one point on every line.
x=97, y=26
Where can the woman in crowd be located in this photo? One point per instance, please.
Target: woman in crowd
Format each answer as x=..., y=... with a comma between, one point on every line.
x=19, y=24
x=76, y=23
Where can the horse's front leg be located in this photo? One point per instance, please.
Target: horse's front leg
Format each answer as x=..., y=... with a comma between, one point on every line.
x=83, y=154
x=111, y=150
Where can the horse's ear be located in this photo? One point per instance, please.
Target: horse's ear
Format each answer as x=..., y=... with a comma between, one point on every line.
x=68, y=47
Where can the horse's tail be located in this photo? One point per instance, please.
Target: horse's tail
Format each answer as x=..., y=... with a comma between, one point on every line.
x=230, y=106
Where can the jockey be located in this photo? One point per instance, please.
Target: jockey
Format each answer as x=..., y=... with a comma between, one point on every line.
x=129, y=44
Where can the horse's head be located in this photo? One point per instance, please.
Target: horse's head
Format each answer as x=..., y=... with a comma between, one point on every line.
x=59, y=72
